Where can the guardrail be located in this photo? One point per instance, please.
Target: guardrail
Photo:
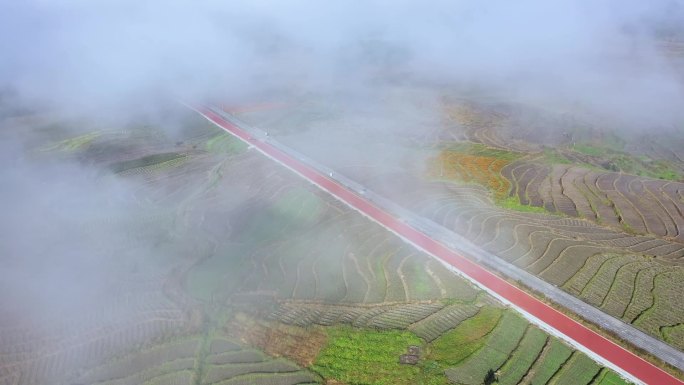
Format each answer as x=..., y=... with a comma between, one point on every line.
x=464, y=246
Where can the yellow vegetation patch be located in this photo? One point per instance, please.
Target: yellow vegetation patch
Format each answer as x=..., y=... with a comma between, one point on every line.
x=483, y=170
x=73, y=144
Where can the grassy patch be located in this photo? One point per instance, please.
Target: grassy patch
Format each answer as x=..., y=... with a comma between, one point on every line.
x=615, y=160
x=368, y=357
x=608, y=377
x=380, y=274
x=223, y=268
x=482, y=150
x=513, y=203
x=579, y=369
x=419, y=278
x=222, y=272
x=555, y=157
x=146, y=161
x=225, y=144
x=499, y=346
x=588, y=149
x=645, y=167
x=488, y=340
x=461, y=342
x=548, y=365
x=73, y=144
x=673, y=334
x=523, y=357
x=300, y=205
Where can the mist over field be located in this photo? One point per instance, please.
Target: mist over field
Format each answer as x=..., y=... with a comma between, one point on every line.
x=603, y=57
x=71, y=233
x=117, y=58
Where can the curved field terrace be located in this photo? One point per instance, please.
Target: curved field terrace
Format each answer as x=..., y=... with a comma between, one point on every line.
x=229, y=269
x=601, y=221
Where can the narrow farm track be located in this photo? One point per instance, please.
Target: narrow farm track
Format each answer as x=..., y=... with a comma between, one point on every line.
x=353, y=195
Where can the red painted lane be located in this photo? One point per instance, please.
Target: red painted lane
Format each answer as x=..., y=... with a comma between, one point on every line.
x=622, y=358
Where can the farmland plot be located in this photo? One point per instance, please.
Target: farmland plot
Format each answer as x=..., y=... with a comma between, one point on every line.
x=570, y=253
x=235, y=233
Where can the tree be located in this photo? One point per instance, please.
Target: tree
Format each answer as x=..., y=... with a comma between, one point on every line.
x=490, y=378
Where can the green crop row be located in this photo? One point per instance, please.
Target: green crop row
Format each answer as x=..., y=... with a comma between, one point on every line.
x=73, y=144
x=456, y=345
x=499, y=345
x=616, y=160
x=225, y=143
x=366, y=356
x=146, y=161
x=482, y=150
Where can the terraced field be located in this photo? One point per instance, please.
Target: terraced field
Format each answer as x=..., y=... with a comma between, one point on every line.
x=477, y=164
x=586, y=207
x=518, y=127
x=613, y=270
x=197, y=359
x=456, y=339
x=636, y=204
x=502, y=126
x=628, y=235
x=259, y=278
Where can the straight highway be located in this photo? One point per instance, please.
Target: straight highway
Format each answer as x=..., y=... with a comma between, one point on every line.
x=451, y=250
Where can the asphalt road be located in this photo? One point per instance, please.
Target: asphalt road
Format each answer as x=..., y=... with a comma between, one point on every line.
x=450, y=249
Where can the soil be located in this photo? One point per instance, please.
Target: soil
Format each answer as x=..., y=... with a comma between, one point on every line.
x=300, y=345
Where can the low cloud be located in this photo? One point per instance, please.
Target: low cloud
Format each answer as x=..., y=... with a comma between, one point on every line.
x=606, y=57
